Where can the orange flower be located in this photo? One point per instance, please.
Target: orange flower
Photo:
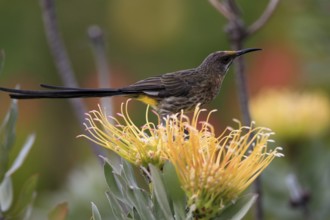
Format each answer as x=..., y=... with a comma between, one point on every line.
x=214, y=170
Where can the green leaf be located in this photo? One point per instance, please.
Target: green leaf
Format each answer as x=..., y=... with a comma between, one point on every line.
x=133, y=195
x=2, y=59
x=115, y=163
x=116, y=210
x=26, y=196
x=136, y=215
x=239, y=209
x=115, y=185
x=129, y=174
x=7, y=137
x=22, y=155
x=159, y=191
x=115, y=188
x=60, y=212
x=137, y=198
x=142, y=203
x=95, y=211
x=126, y=189
x=6, y=194
x=7, y=127
x=174, y=190
x=157, y=209
x=125, y=198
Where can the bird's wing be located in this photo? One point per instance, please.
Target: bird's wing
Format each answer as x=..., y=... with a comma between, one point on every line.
x=149, y=86
x=169, y=84
x=177, y=83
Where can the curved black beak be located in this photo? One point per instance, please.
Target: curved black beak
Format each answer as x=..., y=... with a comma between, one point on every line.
x=244, y=51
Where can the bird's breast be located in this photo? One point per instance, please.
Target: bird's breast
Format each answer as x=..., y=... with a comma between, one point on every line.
x=210, y=88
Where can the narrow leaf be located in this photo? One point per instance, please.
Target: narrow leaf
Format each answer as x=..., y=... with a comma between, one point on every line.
x=60, y=212
x=157, y=209
x=6, y=194
x=115, y=188
x=174, y=190
x=125, y=200
x=159, y=190
x=138, y=201
x=136, y=215
x=115, y=163
x=129, y=174
x=28, y=210
x=239, y=209
x=95, y=212
x=116, y=211
x=22, y=155
x=26, y=196
x=7, y=127
x=142, y=202
x=7, y=137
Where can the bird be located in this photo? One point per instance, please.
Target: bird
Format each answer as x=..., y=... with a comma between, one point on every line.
x=168, y=93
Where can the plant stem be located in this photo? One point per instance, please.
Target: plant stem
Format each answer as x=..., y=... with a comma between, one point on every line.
x=62, y=62
x=237, y=34
x=246, y=116
x=96, y=37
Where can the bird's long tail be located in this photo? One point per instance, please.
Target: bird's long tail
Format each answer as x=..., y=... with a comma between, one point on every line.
x=62, y=92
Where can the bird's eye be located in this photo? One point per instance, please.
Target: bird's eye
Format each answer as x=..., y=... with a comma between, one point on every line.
x=225, y=60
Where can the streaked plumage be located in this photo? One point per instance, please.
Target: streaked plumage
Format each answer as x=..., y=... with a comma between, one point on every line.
x=167, y=93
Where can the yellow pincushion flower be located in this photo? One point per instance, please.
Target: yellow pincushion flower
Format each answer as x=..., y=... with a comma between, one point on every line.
x=292, y=115
x=214, y=170
x=140, y=146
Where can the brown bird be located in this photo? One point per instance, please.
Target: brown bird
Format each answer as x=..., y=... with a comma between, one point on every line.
x=167, y=94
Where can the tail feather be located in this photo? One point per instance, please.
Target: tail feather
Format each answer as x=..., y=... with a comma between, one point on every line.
x=55, y=92
x=62, y=93
x=59, y=87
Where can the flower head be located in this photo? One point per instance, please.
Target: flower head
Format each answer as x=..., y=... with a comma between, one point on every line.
x=214, y=170
x=140, y=146
x=290, y=114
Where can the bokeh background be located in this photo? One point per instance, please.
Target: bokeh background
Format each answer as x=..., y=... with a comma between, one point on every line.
x=146, y=38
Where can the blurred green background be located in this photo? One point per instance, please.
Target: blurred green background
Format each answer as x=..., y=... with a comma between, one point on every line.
x=146, y=38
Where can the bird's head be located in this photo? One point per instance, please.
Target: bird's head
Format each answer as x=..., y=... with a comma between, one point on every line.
x=221, y=60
